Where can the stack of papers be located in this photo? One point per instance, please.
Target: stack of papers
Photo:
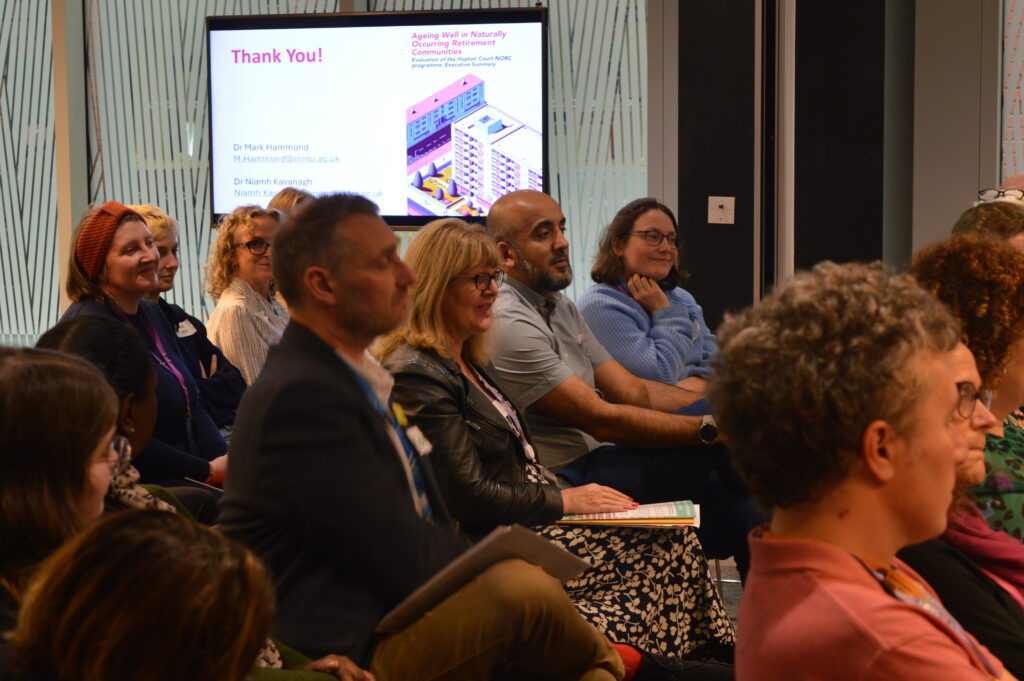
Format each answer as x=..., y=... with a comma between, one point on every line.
x=667, y=514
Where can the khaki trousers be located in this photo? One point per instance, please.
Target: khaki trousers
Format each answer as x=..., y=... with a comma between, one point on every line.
x=513, y=621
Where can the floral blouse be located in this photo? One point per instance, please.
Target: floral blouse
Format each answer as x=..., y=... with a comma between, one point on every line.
x=1000, y=496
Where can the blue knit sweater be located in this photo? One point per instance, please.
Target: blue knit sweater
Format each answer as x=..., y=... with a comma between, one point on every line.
x=673, y=344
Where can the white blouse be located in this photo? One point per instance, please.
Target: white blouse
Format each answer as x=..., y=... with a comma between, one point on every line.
x=244, y=325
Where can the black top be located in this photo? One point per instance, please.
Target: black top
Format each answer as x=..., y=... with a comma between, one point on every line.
x=981, y=606
x=170, y=454
x=318, y=491
x=478, y=457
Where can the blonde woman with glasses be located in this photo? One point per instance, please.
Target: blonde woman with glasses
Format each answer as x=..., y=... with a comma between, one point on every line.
x=248, y=318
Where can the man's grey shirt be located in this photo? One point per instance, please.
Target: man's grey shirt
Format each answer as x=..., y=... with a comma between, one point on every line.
x=538, y=344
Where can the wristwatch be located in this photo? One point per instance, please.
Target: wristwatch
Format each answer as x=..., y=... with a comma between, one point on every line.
x=708, y=431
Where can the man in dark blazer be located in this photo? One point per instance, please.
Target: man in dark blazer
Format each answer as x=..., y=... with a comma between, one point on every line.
x=329, y=490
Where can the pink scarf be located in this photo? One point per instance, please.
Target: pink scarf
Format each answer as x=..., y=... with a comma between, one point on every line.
x=997, y=553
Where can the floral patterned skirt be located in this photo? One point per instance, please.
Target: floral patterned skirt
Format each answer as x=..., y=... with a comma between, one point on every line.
x=649, y=588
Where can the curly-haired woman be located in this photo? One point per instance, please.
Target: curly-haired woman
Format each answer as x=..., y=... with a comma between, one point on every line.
x=248, y=318
x=982, y=281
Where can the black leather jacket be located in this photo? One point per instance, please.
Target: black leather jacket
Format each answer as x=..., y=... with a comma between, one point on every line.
x=477, y=458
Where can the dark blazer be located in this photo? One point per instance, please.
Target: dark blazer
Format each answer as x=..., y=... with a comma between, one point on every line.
x=316, y=489
x=168, y=456
x=478, y=459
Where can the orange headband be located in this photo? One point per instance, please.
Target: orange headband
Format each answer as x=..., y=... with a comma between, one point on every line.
x=94, y=239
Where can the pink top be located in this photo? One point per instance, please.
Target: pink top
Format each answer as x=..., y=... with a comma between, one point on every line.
x=813, y=611
x=998, y=554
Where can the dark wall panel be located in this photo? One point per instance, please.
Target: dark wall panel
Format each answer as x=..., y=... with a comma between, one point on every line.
x=839, y=131
x=716, y=138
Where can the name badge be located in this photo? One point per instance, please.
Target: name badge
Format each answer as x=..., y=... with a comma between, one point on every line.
x=185, y=329
x=418, y=440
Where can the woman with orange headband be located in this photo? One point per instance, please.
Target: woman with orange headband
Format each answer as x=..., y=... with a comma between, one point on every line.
x=112, y=269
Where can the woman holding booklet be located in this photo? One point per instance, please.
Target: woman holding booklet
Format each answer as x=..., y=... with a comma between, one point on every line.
x=649, y=588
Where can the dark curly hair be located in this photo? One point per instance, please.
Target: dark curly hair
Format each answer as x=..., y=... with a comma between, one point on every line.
x=1004, y=219
x=111, y=346
x=608, y=266
x=800, y=375
x=981, y=280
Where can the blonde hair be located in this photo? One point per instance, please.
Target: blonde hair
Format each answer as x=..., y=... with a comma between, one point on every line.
x=289, y=197
x=221, y=268
x=441, y=251
x=160, y=223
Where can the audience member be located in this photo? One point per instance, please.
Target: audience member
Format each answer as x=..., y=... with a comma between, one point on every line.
x=145, y=596
x=857, y=433
x=638, y=311
x=220, y=384
x=112, y=269
x=1003, y=219
x=118, y=352
x=575, y=395
x=57, y=422
x=248, y=318
x=967, y=564
x=982, y=282
x=489, y=475
x=327, y=488
x=288, y=198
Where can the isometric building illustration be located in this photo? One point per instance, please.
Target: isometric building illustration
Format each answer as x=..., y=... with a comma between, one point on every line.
x=463, y=154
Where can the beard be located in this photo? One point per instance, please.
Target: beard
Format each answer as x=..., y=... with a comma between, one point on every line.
x=545, y=281
x=367, y=322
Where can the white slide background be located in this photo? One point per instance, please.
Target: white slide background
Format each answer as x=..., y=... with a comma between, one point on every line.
x=349, y=108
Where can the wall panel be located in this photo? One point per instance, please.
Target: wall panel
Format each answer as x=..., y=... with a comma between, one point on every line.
x=28, y=203
x=148, y=128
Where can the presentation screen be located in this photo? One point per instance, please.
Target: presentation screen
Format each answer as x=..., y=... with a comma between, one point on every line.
x=426, y=113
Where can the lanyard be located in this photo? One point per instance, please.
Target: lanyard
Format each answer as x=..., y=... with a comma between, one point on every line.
x=509, y=412
x=396, y=419
x=160, y=356
x=903, y=588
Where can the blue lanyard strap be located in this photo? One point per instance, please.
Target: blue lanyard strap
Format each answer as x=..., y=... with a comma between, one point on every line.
x=410, y=453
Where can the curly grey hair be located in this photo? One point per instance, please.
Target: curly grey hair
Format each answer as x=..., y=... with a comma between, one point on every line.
x=802, y=374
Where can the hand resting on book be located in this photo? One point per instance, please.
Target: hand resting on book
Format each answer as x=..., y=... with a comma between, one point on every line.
x=594, y=498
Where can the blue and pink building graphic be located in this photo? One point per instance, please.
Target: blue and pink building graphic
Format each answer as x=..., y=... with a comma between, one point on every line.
x=462, y=154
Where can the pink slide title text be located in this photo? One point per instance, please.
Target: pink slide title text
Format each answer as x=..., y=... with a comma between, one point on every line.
x=275, y=56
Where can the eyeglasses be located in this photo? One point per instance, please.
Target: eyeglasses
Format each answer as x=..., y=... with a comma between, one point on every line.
x=969, y=396
x=989, y=194
x=483, y=280
x=654, y=238
x=118, y=453
x=255, y=246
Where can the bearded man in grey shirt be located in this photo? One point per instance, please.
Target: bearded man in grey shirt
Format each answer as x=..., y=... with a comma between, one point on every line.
x=577, y=399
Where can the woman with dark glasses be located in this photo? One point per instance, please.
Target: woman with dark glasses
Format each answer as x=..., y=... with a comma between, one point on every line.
x=647, y=590
x=248, y=318
x=638, y=310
